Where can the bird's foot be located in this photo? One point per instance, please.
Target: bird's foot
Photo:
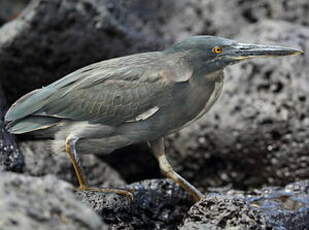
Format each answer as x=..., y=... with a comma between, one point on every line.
x=123, y=192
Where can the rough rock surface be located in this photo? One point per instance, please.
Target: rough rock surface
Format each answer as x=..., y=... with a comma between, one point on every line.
x=269, y=208
x=223, y=212
x=284, y=208
x=257, y=132
x=157, y=204
x=42, y=203
x=255, y=11
x=160, y=204
x=175, y=20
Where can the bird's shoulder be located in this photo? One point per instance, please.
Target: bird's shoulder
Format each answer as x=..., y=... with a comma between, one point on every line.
x=146, y=68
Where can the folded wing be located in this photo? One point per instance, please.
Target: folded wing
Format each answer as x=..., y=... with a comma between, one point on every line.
x=96, y=93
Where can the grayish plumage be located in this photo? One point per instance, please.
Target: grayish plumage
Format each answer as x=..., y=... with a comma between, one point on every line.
x=137, y=98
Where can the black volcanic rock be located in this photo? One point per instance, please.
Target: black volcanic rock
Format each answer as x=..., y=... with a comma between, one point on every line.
x=157, y=204
x=223, y=212
x=271, y=208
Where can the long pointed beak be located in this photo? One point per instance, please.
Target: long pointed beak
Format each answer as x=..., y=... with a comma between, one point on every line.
x=245, y=51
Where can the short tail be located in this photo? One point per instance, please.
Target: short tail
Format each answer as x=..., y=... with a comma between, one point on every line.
x=31, y=123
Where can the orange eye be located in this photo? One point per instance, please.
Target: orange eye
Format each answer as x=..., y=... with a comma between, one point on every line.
x=217, y=50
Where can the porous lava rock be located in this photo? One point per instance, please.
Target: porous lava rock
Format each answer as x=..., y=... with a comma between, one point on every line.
x=156, y=204
x=42, y=203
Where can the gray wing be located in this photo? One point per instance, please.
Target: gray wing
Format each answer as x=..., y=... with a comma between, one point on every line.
x=99, y=93
x=119, y=98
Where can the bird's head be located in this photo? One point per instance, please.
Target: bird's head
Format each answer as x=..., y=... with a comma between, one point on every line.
x=212, y=53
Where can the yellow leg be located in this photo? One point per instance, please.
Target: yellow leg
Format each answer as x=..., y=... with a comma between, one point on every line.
x=159, y=152
x=70, y=149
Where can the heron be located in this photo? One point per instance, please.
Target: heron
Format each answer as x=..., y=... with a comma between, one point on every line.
x=132, y=99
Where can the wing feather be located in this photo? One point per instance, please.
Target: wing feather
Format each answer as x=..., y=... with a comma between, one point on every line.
x=113, y=91
x=109, y=101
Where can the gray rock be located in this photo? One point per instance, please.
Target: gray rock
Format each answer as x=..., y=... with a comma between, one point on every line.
x=42, y=203
x=256, y=11
x=218, y=212
x=182, y=18
x=157, y=204
x=257, y=132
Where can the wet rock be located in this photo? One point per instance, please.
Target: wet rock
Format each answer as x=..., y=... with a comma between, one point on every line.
x=284, y=208
x=41, y=160
x=256, y=133
x=42, y=203
x=269, y=208
x=157, y=204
